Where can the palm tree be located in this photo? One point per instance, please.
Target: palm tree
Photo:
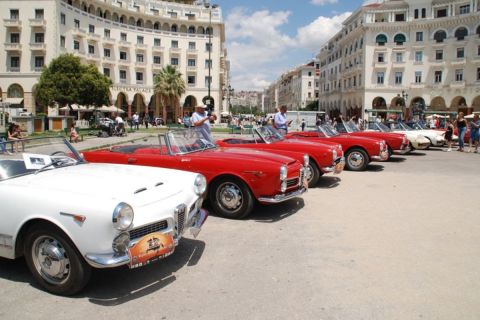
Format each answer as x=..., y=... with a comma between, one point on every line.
x=170, y=86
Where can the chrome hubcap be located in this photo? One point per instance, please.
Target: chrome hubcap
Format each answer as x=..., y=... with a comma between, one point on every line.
x=356, y=159
x=230, y=196
x=50, y=260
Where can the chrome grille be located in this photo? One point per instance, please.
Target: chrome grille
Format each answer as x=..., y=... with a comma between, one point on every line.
x=147, y=229
x=180, y=212
x=292, y=182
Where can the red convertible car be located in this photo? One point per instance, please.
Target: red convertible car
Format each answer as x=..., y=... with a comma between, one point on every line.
x=359, y=151
x=235, y=177
x=323, y=157
x=397, y=143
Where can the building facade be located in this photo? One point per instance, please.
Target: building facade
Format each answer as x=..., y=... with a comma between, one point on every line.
x=294, y=89
x=130, y=42
x=405, y=56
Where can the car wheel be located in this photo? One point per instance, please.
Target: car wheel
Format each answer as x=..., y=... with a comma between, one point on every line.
x=312, y=174
x=54, y=261
x=231, y=198
x=356, y=159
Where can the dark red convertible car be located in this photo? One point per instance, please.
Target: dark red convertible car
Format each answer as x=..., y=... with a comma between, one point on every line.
x=397, y=143
x=235, y=177
x=359, y=151
x=323, y=157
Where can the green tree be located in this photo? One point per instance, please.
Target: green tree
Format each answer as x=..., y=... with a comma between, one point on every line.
x=65, y=81
x=94, y=87
x=170, y=85
x=312, y=106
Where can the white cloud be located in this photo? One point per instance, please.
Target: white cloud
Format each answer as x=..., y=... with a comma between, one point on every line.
x=259, y=51
x=315, y=34
x=255, y=43
x=322, y=2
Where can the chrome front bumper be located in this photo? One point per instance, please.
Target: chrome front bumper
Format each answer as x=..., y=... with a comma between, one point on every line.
x=338, y=166
x=112, y=260
x=402, y=151
x=383, y=156
x=283, y=197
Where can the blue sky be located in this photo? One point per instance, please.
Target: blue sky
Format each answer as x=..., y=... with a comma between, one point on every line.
x=265, y=38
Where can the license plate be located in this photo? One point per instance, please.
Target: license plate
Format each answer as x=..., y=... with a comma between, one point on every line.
x=150, y=248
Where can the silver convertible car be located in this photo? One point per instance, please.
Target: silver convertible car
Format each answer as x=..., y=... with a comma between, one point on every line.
x=66, y=215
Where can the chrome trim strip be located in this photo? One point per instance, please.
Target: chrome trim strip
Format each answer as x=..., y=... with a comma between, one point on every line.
x=106, y=260
x=283, y=197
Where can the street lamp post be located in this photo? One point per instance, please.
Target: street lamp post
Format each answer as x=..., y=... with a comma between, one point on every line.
x=210, y=31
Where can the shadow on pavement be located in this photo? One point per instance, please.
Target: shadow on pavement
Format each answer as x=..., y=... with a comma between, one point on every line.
x=17, y=271
x=396, y=159
x=111, y=287
x=374, y=168
x=417, y=154
x=277, y=212
x=328, y=182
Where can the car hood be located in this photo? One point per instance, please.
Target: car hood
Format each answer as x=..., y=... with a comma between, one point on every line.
x=239, y=154
x=358, y=139
x=137, y=184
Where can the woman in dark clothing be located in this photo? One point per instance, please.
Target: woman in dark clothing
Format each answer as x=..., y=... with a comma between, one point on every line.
x=461, y=125
x=449, y=134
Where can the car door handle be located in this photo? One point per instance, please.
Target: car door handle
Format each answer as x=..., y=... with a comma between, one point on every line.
x=132, y=160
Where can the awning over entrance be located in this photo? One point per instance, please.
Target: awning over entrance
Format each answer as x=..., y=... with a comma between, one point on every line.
x=14, y=100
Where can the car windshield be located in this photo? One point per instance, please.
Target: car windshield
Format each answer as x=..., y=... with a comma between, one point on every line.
x=327, y=130
x=350, y=126
x=268, y=134
x=32, y=156
x=378, y=126
x=418, y=126
x=187, y=141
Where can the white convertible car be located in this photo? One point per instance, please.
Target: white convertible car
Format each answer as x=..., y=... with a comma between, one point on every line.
x=416, y=140
x=436, y=138
x=66, y=215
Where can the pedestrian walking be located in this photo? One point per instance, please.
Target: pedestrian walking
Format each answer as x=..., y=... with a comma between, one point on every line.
x=461, y=125
x=475, y=133
x=146, y=120
x=135, y=119
x=303, y=124
x=449, y=134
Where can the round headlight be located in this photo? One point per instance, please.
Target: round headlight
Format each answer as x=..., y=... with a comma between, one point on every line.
x=306, y=160
x=334, y=154
x=283, y=187
x=200, y=185
x=122, y=216
x=283, y=172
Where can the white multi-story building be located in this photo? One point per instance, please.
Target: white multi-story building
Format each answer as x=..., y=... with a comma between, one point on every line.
x=129, y=41
x=404, y=55
x=294, y=89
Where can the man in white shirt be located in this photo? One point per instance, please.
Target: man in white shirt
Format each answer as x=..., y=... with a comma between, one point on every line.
x=201, y=121
x=280, y=120
x=135, y=120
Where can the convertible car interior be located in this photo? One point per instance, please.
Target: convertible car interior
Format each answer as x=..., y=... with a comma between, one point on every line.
x=240, y=141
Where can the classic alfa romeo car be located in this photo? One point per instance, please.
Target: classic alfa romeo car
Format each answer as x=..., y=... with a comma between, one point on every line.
x=235, y=177
x=324, y=157
x=421, y=126
x=435, y=138
x=359, y=151
x=65, y=215
x=415, y=139
x=397, y=143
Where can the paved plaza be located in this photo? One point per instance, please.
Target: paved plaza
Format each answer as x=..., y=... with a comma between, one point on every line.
x=399, y=241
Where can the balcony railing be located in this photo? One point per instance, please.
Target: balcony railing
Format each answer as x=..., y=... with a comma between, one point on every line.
x=38, y=46
x=140, y=46
x=12, y=23
x=78, y=32
x=157, y=66
x=158, y=48
x=140, y=64
x=38, y=23
x=13, y=46
x=93, y=36
x=175, y=50
x=108, y=40
x=13, y=69
x=124, y=43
